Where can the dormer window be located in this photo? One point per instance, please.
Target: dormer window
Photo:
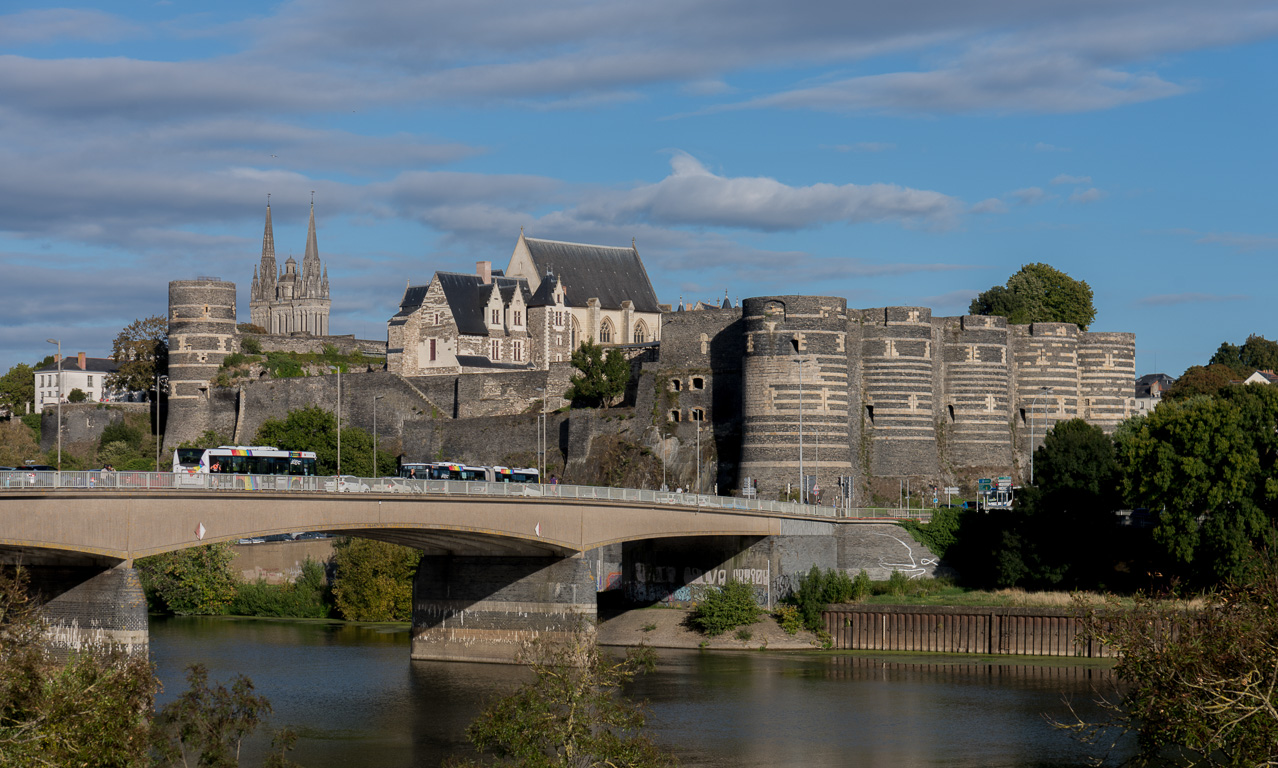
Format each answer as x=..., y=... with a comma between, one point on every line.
x=519, y=317
x=496, y=317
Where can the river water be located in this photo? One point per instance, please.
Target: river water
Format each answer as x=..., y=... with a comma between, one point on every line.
x=356, y=699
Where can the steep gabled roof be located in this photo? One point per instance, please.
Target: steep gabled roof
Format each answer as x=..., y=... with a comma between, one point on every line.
x=603, y=272
x=545, y=295
x=467, y=297
x=91, y=365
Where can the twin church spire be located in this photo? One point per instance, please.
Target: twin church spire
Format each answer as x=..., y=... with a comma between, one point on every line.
x=288, y=301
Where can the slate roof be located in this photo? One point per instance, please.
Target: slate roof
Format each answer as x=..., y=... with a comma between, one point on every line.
x=91, y=365
x=467, y=297
x=479, y=361
x=610, y=274
x=545, y=295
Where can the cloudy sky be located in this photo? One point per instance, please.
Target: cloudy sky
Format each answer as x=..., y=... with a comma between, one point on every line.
x=891, y=153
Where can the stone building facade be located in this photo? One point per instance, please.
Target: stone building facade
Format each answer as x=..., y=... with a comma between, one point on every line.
x=552, y=297
x=290, y=301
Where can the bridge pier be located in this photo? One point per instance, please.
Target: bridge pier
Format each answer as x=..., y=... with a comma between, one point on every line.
x=91, y=608
x=474, y=608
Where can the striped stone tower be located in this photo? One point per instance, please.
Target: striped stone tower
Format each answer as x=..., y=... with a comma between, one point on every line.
x=795, y=343
x=977, y=376
x=201, y=335
x=898, y=391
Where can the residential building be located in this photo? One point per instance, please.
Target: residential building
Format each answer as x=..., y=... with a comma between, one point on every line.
x=88, y=374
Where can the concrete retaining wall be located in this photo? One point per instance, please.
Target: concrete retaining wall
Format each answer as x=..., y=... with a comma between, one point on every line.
x=1010, y=631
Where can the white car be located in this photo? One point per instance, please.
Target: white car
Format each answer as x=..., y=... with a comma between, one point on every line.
x=347, y=484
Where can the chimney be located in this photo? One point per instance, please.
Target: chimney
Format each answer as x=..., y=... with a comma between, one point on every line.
x=485, y=271
x=80, y=361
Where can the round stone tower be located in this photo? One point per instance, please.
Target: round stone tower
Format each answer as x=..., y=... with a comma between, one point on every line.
x=201, y=335
x=795, y=344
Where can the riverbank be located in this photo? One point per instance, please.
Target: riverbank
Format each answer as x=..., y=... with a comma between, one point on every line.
x=665, y=628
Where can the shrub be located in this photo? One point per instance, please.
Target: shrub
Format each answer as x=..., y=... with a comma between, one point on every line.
x=374, y=580
x=725, y=609
x=283, y=365
x=77, y=395
x=898, y=584
x=197, y=580
x=121, y=432
x=818, y=589
x=251, y=345
x=861, y=586
x=788, y=618
x=308, y=598
x=234, y=359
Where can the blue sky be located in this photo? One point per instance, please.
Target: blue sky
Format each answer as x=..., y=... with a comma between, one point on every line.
x=890, y=153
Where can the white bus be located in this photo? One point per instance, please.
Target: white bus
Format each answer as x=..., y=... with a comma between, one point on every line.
x=443, y=470
x=243, y=460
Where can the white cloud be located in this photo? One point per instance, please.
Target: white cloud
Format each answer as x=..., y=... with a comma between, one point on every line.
x=989, y=205
x=49, y=25
x=693, y=196
x=1089, y=195
x=1029, y=195
x=1065, y=178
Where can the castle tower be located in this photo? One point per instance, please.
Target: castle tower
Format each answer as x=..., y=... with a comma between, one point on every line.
x=1106, y=369
x=976, y=371
x=1047, y=380
x=781, y=331
x=898, y=392
x=201, y=335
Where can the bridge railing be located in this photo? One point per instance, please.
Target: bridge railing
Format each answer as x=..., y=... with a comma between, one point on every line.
x=143, y=481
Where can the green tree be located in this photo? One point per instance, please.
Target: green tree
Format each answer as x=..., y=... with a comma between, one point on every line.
x=571, y=714
x=1255, y=354
x=1197, y=684
x=141, y=350
x=1209, y=466
x=1200, y=380
x=1039, y=293
x=195, y=580
x=1071, y=508
x=17, y=443
x=94, y=709
x=374, y=580
x=76, y=395
x=17, y=388
x=725, y=608
x=314, y=429
x=603, y=378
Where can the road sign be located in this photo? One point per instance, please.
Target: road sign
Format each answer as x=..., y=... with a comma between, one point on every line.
x=951, y=490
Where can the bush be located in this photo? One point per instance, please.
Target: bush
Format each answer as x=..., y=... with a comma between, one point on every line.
x=197, y=580
x=898, y=584
x=725, y=609
x=77, y=395
x=374, y=580
x=251, y=345
x=121, y=432
x=817, y=590
x=788, y=618
x=283, y=365
x=861, y=586
x=308, y=598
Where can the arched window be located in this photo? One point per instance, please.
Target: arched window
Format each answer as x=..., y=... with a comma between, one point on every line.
x=641, y=332
x=574, y=334
x=605, y=332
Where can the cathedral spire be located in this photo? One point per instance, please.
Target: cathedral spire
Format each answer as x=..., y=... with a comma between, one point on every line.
x=269, y=270
x=310, y=260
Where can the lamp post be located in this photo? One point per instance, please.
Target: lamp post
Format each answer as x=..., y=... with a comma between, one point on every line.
x=59, y=343
x=803, y=481
x=1033, y=418
x=375, y=399
x=159, y=379
x=541, y=436
x=338, y=369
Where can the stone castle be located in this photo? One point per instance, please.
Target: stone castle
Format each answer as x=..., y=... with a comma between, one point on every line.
x=883, y=394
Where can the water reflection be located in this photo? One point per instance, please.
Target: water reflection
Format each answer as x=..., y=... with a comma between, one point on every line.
x=356, y=699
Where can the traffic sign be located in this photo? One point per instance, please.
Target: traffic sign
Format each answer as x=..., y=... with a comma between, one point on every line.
x=951, y=490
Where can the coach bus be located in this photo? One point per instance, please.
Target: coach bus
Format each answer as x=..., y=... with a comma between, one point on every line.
x=443, y=470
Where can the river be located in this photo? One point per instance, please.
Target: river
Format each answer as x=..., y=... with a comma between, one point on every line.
x=356, y=699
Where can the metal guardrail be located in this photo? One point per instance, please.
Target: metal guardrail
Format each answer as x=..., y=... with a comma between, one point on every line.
x=146, y=481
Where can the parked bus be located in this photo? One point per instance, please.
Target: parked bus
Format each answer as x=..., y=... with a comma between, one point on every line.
x=244, y=460
x=516, y=475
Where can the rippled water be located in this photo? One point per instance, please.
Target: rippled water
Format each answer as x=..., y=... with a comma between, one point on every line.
x=356, y=699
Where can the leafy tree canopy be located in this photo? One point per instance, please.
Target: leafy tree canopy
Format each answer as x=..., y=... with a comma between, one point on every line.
x=1208, y=465
x=1201, y=380
x=374, y=580
x=17, y=388
x=17, y=443
x=1038, y=293
x=315, y=429
x=196, y=580
x=1255, y=354
x=142, y=350
x=603, y=377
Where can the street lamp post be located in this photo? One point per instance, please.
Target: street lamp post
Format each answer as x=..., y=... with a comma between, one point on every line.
x=59, y=343
x=541, y=436
x=375, y=399
x=803, y=481
x=159, y=379
x=1033, y=419
x=338, y=369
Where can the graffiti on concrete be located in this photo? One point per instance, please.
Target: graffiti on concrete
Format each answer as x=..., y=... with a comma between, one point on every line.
x=915, y=568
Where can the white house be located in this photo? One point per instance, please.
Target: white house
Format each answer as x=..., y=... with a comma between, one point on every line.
x=88, y=374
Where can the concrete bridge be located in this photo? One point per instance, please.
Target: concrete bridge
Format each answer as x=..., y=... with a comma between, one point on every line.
x=502, y=563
